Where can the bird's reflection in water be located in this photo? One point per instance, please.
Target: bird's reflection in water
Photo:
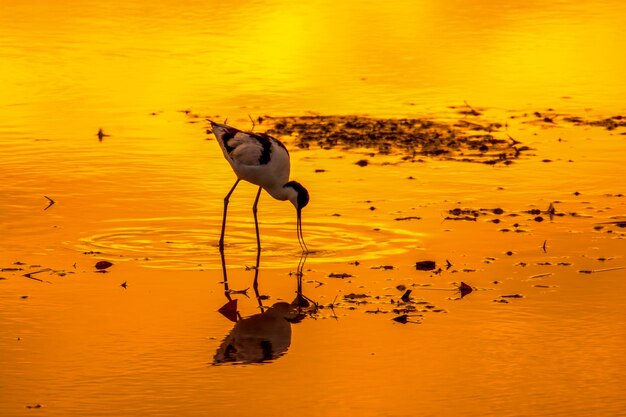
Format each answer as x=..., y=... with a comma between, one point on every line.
x=259, y=338
x=264, y=336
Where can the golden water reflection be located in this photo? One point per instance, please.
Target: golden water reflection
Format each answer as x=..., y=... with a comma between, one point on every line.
x=86, y=57
x=150, y=195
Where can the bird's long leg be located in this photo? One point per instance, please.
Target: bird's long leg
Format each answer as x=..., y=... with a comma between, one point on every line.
x=224, y=216
x=258, y=236
x=305, y=249
x=226, y=289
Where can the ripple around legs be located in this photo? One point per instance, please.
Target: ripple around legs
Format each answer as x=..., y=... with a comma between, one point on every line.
x=177, y=243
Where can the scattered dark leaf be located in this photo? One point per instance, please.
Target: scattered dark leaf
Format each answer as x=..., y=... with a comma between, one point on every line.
x=353, y=296
x=300, y=301
x=50, y=202
x=103, y=265
x=425, y=265
x=243, y=292
x=404, y=319
x=465, y=289
x=341, y=275
x=229, y=310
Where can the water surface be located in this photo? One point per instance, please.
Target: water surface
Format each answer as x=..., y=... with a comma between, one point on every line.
x=542, y=332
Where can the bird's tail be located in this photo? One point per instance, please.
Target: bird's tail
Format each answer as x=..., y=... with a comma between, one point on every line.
x=223, y=134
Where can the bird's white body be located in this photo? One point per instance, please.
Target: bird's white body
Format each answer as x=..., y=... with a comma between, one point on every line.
x=257, y=158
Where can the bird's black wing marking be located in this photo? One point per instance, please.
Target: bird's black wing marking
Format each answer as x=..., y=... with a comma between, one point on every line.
x=229, y=133
x=279, y=143
x=266, y=143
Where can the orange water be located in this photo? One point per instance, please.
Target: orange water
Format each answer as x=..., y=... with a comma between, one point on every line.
x=149, y=199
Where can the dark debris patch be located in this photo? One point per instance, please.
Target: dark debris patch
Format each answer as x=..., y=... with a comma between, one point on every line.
x=425, y=265
x=462, y=140
x=341, y=275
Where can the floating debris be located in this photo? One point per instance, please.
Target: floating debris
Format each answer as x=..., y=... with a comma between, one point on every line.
x=353, y=296
x=101, y=135
x=242, y=292
x=385, y=267
x=547, y=274
x=465, y=289
x=425, y=265
x=101, y=265
x=464, y=140
x=594, y=271
x=341, y=275
x=229, y=310
x=30, y=275
x=405, y=318
x=50, y=202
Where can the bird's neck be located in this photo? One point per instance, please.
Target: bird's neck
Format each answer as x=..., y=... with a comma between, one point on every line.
x=279, y=192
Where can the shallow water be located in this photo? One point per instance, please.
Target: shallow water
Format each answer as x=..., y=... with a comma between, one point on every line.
x=542, y=331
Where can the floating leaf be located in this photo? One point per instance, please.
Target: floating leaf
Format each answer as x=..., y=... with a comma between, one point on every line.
x=465, y=289
x=103, y=265
x=404, y=319
x=341, y=275
x=425, y=265
x=229, y=310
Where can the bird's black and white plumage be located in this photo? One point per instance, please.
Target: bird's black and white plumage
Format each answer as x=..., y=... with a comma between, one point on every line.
x=262, y=160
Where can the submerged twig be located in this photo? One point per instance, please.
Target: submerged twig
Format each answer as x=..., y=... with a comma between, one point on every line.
x=244, y=292
x=30, y=275
x=593, y=271
x=51, y=202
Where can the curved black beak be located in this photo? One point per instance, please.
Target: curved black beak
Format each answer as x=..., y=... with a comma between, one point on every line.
x=299, y=231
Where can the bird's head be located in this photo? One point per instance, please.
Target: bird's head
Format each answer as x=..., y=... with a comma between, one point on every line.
x=297, y=194
x=299, y=197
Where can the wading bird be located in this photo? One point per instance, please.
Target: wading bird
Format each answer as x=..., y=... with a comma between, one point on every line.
x=264, y=161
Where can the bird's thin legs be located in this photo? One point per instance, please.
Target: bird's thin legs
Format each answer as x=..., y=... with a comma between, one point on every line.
x=258, y=236
x=225, y=281
x=305, y=249
x=224, y=216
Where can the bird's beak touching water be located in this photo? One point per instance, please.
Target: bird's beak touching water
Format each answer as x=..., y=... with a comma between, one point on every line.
x=299, y=231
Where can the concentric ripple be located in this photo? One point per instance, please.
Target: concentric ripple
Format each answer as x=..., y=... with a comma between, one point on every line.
x=182, y=243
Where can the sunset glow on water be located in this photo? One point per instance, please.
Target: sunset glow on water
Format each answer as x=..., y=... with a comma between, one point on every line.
x=515, y=190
